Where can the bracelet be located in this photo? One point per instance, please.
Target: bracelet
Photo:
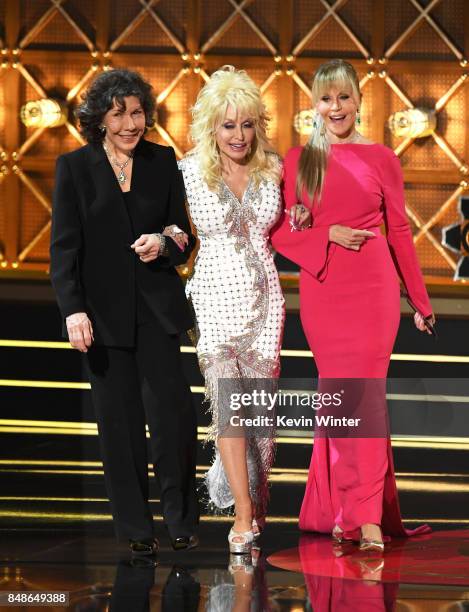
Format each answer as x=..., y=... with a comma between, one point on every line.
x=162, y=244
x=164, y=251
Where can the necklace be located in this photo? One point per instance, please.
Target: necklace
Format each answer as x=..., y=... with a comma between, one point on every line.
x=121, y=177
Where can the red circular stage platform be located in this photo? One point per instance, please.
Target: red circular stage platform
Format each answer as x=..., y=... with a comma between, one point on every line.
x=440, y=558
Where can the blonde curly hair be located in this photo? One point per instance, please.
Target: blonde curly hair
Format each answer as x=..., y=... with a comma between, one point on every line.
x=231, y=87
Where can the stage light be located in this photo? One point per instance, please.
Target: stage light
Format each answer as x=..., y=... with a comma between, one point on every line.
x=44, y=113
x=303, y=121
x=412, y=123
x=455, y=237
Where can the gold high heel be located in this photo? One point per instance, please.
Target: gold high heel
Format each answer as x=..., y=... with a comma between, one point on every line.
x=337, y=535
x=370, y=545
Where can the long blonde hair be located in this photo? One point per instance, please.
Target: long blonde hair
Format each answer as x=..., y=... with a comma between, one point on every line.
x=231, y=87
x=312, y=165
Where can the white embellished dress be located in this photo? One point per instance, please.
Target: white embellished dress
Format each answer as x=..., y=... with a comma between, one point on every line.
x=238, y=306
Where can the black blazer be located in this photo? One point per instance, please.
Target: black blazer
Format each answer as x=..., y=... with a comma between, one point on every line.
x=93, y=269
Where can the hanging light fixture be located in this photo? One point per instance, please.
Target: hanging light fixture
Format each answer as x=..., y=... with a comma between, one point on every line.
x=412, y=123
x=44, y=113
x=303, y=121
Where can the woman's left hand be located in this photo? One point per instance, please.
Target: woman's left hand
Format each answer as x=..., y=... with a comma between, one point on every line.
x=147, y=247
x=420, y=322
x=300, y=217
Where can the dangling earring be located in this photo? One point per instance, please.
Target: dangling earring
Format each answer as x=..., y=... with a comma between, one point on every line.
x=102, y=129
x=315, y=120
x=358, y=118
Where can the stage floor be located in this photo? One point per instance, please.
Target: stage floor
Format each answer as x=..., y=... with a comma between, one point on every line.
x=290, y=572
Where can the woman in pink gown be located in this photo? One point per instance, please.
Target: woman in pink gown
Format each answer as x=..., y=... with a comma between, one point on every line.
x=349, y=297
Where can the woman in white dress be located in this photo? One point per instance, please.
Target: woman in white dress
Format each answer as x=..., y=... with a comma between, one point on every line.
x=232, y=183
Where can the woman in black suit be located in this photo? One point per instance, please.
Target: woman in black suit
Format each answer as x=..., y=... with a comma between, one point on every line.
x=123, y=303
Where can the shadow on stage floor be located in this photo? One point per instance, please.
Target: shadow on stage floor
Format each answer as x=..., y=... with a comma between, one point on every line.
x=290, y=572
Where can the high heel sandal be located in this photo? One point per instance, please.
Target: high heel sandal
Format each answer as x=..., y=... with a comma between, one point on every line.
x=371, y=545
x=337, y=535
x=258, y=527
x=240, y=548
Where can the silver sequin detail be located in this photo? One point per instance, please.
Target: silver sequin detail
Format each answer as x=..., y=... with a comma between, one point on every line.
x=239, y=306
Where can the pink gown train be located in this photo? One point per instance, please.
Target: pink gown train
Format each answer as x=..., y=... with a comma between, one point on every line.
x=350, y=311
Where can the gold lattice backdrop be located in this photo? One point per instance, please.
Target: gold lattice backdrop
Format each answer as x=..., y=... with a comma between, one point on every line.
x=407, y=52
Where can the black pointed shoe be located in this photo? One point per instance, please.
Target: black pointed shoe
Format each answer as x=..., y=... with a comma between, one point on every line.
x=185, y=542
x=143, y=548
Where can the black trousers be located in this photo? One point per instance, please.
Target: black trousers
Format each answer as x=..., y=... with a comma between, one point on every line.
x=131, y=387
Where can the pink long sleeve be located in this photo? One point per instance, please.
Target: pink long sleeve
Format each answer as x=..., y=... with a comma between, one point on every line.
x=310, y=249
x=399, y=236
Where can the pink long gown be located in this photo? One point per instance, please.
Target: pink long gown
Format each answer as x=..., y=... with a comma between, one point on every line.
x=350, y=311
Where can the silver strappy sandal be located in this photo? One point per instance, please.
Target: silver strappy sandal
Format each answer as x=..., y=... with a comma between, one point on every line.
x=240, y=548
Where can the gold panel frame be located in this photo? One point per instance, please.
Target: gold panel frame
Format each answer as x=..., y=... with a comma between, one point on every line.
x=192, y=37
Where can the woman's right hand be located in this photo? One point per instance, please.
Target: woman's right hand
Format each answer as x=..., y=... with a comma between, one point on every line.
x=80, y=331
x=348, y=237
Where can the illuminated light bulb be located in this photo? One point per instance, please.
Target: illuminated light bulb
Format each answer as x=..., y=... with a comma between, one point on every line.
x=44, y=113
x=303, y=121
x=412, y=123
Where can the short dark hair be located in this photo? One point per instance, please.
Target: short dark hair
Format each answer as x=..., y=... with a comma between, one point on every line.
x=113, y=85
